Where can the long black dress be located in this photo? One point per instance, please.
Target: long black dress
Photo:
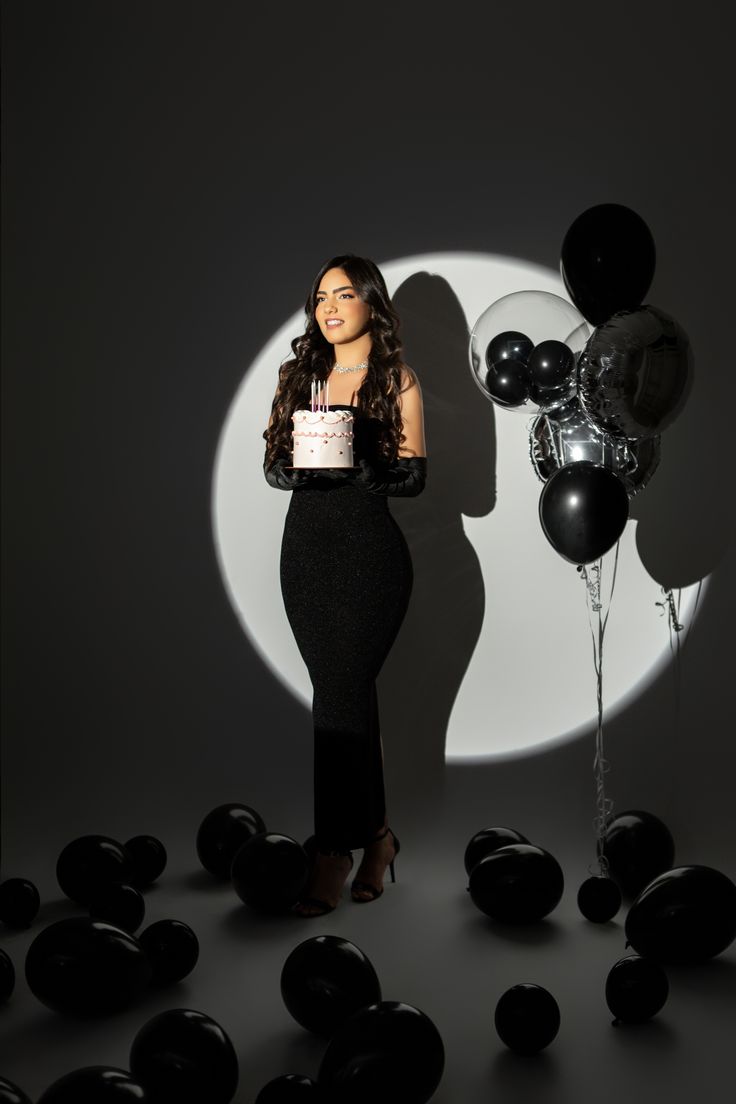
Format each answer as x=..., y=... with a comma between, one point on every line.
x=346, y=579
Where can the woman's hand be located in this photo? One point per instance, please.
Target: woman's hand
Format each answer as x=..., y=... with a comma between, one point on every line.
x=277, y=476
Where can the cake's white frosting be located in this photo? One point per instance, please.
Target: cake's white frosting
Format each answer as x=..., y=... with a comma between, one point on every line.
x=323, y=439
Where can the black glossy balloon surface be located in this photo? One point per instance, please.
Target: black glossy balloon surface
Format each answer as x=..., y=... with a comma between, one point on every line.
x=551, y=364
x=89, y=862
x=11, y=1094
x=85, y=967
x=599, y=899
x=7, y=976
x=508, y=383
x=325, y=980
x=270, y=871
x=583, y=510
x=185, y=1056
x=519, y=883
x=685, y=915
x=508, y=346
x=487, y=841
x=172, y=948
x=636, y=989
x=638, y=847
x=149, y=859
x=292, y=1088
x=607, y=260
x=527, y=1018
x=19, y=902
x=95, y=1085
x=222, y=832
x=387, y=1051
x=119, y=904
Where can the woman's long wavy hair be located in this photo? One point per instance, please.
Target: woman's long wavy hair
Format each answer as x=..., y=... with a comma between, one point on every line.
x=378, y=396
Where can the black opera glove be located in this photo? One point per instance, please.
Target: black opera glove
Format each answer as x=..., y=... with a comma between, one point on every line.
x=404, y=477
x=282, y=480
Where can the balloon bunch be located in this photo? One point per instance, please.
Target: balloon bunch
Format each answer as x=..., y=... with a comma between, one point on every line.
x=511, y=880
x=376, y=1048
x=603, y=398
x=180, y=1055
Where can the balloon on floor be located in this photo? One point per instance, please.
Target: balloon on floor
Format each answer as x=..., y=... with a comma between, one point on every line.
x=636, y=989
x=685, y=915
x=527, y=1018
x=325, y=980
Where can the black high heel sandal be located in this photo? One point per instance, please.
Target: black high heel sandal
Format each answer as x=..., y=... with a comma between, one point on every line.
x=316, y=902
x=368, y=887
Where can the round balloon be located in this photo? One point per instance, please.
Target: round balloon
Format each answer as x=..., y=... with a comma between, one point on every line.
x=11, y=1094
x=636, y=989
x=552, y=370
x=172, y=948
x=599, y=899
x=222, y=832
x=269, y=872
x=119, y=904
x=487, y=841
x=685, y=915
x=637, y=846
x=511, y=325
x=89, y=862
x=19, y=902
x=94, y=1084
x=387, y=1050
x=527, y=1018
x=635, y=373
x=518, y=883
x=86, y=967
x=185, y=1056
x=607, y=260
x=583, y=509
x=567, y=435
x=325, y=980
x=149, y=859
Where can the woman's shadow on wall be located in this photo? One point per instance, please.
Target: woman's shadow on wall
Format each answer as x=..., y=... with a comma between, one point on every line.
x=422, y=675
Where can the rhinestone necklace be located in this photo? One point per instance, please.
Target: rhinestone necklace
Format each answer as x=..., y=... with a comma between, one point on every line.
x=358, y=367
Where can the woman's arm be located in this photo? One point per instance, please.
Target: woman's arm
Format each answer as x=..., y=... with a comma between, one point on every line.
x=412, y=416
x=406, y=476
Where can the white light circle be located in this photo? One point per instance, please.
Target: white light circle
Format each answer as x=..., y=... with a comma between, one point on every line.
x=530, y=682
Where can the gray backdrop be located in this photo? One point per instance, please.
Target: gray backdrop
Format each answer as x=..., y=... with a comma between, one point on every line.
x=173, y=176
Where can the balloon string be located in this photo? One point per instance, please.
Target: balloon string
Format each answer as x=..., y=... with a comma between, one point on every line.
x=671, y=607
x=598, y=621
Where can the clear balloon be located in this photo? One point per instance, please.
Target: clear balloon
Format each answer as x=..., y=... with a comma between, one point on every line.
x=635, y=373
x=607, y=260
x=534, y=317
x=568, y=435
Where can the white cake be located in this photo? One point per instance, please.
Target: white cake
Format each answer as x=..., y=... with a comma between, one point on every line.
x=323, y=439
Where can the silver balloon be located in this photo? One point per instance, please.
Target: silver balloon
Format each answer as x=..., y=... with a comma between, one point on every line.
x=635, y=372
x=568, y=435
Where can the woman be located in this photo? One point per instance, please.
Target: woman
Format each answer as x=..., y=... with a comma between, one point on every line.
x=346, y=572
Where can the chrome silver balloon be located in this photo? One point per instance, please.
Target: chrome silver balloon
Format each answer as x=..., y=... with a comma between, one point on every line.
x=635, y=373
x=568, y=435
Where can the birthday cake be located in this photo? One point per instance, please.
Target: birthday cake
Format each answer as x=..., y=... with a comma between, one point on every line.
x=323, y=439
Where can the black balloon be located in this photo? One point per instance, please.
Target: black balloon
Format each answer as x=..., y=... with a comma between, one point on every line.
x=269, y=872
x=685, y=915
x=119, y=904
x=583, y=509
x=638, y=846
x=222, y=832
x=508, y=346
x=487, y=841
x=85, y=967
x=636, y=989
x=172, y=948
x=89, y=862
x=149, y=859
x=19, y=902
x=519, y=883
x=292, y=1087
x=527, y=1018
x=599, y=899
x=7, y=976
x=607, y=261
x=635, y=373
x=11, y=1094
x=508, y=383
x=387, y=1050
x=94, y=1084
x=552, y=370
x=185, y=1056
x=325, y=980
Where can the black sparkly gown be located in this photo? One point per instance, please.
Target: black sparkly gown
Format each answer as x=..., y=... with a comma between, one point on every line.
x=346, y=579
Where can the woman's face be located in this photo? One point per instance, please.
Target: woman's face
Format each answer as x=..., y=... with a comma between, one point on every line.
x=340, y=314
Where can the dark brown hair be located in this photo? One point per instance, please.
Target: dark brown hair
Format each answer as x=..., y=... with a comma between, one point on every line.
x=378, y=396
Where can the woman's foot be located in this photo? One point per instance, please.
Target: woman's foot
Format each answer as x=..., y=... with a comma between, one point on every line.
x=379, y=854
x=324, y=889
